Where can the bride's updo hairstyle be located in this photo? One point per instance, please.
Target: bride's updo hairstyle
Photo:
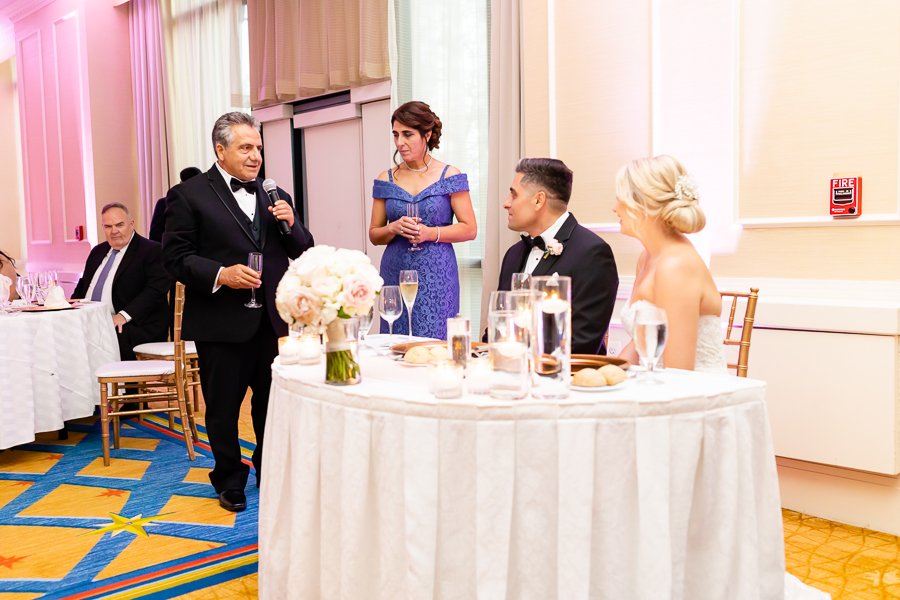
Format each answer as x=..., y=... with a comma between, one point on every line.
x=419, y=116
x=661, y=187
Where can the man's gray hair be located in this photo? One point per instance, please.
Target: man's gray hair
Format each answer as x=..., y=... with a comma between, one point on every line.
x=113, y=205
x=222, y=133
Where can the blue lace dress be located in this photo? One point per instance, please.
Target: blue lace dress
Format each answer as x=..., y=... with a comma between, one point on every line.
x=438, y=296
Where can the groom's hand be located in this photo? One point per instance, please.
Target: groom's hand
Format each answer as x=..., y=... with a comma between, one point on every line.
x=239, y=277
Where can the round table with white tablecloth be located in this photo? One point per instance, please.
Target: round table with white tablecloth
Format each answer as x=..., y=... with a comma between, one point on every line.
x=47, y=364
x=379, y=490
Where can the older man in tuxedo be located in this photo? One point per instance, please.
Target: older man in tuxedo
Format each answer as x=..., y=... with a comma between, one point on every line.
x=126, y=273
x=555, y=243
x=213, y=222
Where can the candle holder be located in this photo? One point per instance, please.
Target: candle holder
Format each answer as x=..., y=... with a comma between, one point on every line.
x=445, y=379
x=288, y=350
x=478, y=375
x=509, y=355
x=552, y=337
x=459, y=337
x=310, y=348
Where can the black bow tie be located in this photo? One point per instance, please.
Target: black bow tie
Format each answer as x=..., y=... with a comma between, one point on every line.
x=531, y=242
x=237, y=184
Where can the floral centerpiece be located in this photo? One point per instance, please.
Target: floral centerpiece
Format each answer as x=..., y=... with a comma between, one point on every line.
x=321, y=291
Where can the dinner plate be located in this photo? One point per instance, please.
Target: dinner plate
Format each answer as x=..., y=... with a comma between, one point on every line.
x=595, y=361
x=605, y=388
x=36, y=309
x=404, y=348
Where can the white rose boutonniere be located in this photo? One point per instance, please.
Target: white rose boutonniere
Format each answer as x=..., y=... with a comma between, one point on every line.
x=553, y=247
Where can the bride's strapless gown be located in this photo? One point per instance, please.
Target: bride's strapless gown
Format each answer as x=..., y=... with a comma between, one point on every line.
x=710, y=356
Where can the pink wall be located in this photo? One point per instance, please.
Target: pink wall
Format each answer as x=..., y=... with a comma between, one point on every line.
x=77, y=125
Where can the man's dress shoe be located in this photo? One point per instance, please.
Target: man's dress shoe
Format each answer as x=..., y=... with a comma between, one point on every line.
x=233, y=500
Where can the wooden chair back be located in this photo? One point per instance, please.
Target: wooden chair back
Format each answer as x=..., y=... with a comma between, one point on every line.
x=746, y=328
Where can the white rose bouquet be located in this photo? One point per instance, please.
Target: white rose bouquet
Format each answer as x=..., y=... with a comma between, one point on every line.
x=323, y=285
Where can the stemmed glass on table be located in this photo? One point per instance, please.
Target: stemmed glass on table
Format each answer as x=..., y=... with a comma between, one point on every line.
x=255, y=262
x=365, y=322
x=390, y=307
x=650, y=331
x=22, y=284
x=521, y=281
x=409, y=287
x=412, y=211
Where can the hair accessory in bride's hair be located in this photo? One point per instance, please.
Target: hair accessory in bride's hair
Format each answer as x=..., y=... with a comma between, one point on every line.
x=686, y=188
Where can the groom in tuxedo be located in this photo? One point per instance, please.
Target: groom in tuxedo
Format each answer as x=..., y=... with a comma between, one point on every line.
x=213, y=222
x=555, y=243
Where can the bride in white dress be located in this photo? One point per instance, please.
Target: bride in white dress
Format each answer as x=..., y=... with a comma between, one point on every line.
x=657, y=203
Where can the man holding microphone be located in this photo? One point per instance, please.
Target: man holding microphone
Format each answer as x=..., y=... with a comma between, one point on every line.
x=214, y=222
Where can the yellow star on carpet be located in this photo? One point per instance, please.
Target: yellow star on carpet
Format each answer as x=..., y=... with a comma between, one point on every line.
x=134, y=524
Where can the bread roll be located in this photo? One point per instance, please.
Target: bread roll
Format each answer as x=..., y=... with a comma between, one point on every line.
x=439, y=353
x=589, y=378
x=613, y=374
x=417, y=355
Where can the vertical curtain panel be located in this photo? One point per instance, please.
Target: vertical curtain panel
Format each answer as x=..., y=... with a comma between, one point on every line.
x=308, y=47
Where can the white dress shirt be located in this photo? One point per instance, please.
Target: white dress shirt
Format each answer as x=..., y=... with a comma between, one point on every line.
x=106, y=293
x=245, y=200
x=534, y=257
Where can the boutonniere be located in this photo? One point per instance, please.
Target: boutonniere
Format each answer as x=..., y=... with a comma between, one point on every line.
x=553, y=247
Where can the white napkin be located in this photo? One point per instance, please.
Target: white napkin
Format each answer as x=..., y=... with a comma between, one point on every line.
x=56, y=298
x=5, y=285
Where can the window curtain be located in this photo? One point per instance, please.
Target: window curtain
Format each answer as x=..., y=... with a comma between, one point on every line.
x=507, y=140
x=206, y=74
x=148, y=84
x=301, y=48
x=441, y=52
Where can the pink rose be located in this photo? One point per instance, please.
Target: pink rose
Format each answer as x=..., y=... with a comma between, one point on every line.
x=554, y=247
x=359, y=293
x=305, y=306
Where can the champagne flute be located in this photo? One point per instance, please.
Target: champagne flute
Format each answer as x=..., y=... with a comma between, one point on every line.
x=409, y=287
x=650, y=331
x=412, y=211
x=54, y=277
x=521, y=281
x=365, y=321
x=255, y=262
x=390, y=307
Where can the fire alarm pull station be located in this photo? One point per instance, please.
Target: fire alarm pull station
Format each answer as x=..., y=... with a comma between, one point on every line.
x=846, y=200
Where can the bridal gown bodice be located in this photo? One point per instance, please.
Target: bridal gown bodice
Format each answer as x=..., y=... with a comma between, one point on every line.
x=710, y=357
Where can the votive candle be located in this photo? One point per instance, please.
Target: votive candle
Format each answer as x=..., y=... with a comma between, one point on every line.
x=478, y=375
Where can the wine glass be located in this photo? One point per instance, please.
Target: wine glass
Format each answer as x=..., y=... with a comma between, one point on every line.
x=521, y=281
x=365, y=321
x=44, y=283
x=21, y=287
x=390, y=307
x=54, y=277
x=255, y=262
x=412, y=211
x=650, y=331
x=409, y=287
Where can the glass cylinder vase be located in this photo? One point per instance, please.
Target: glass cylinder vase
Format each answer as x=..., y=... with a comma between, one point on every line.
x=551, y=358
x=509, y=355
x=342, y=352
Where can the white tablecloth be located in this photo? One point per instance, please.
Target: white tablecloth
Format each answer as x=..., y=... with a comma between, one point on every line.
x=47, y=364
x=381, y=491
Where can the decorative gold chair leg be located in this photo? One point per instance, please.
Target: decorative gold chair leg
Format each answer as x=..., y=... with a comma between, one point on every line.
x=172, y=404
x=104, y=423
x=186, y=428
x=195, y=377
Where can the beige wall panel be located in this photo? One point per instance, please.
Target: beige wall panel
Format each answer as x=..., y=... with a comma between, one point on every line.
x=858, y=253
x=535, y=102
x=10, y=238
x=602, y=95
x=819, y=93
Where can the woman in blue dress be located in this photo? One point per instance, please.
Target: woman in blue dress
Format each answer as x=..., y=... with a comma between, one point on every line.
x=441, y=192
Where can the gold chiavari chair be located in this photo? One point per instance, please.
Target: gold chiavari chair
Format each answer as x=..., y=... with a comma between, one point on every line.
x=147, y=377
x=166, y=351
x=746, y=328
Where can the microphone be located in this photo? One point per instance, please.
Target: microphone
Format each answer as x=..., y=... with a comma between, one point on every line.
x=272, y=190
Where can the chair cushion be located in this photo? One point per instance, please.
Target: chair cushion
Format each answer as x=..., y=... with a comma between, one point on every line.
x=164, y=348
x=136, y=368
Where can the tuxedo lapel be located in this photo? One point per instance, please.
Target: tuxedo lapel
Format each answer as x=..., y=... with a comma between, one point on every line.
x=545, y=265
x=217, y=183
x=129, y=255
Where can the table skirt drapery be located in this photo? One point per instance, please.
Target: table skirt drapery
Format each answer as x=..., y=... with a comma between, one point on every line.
x=47, y=364
x=649, y=492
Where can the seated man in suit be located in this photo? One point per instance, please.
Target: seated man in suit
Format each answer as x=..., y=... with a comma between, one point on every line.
x=538, y=205
x=126, y=272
